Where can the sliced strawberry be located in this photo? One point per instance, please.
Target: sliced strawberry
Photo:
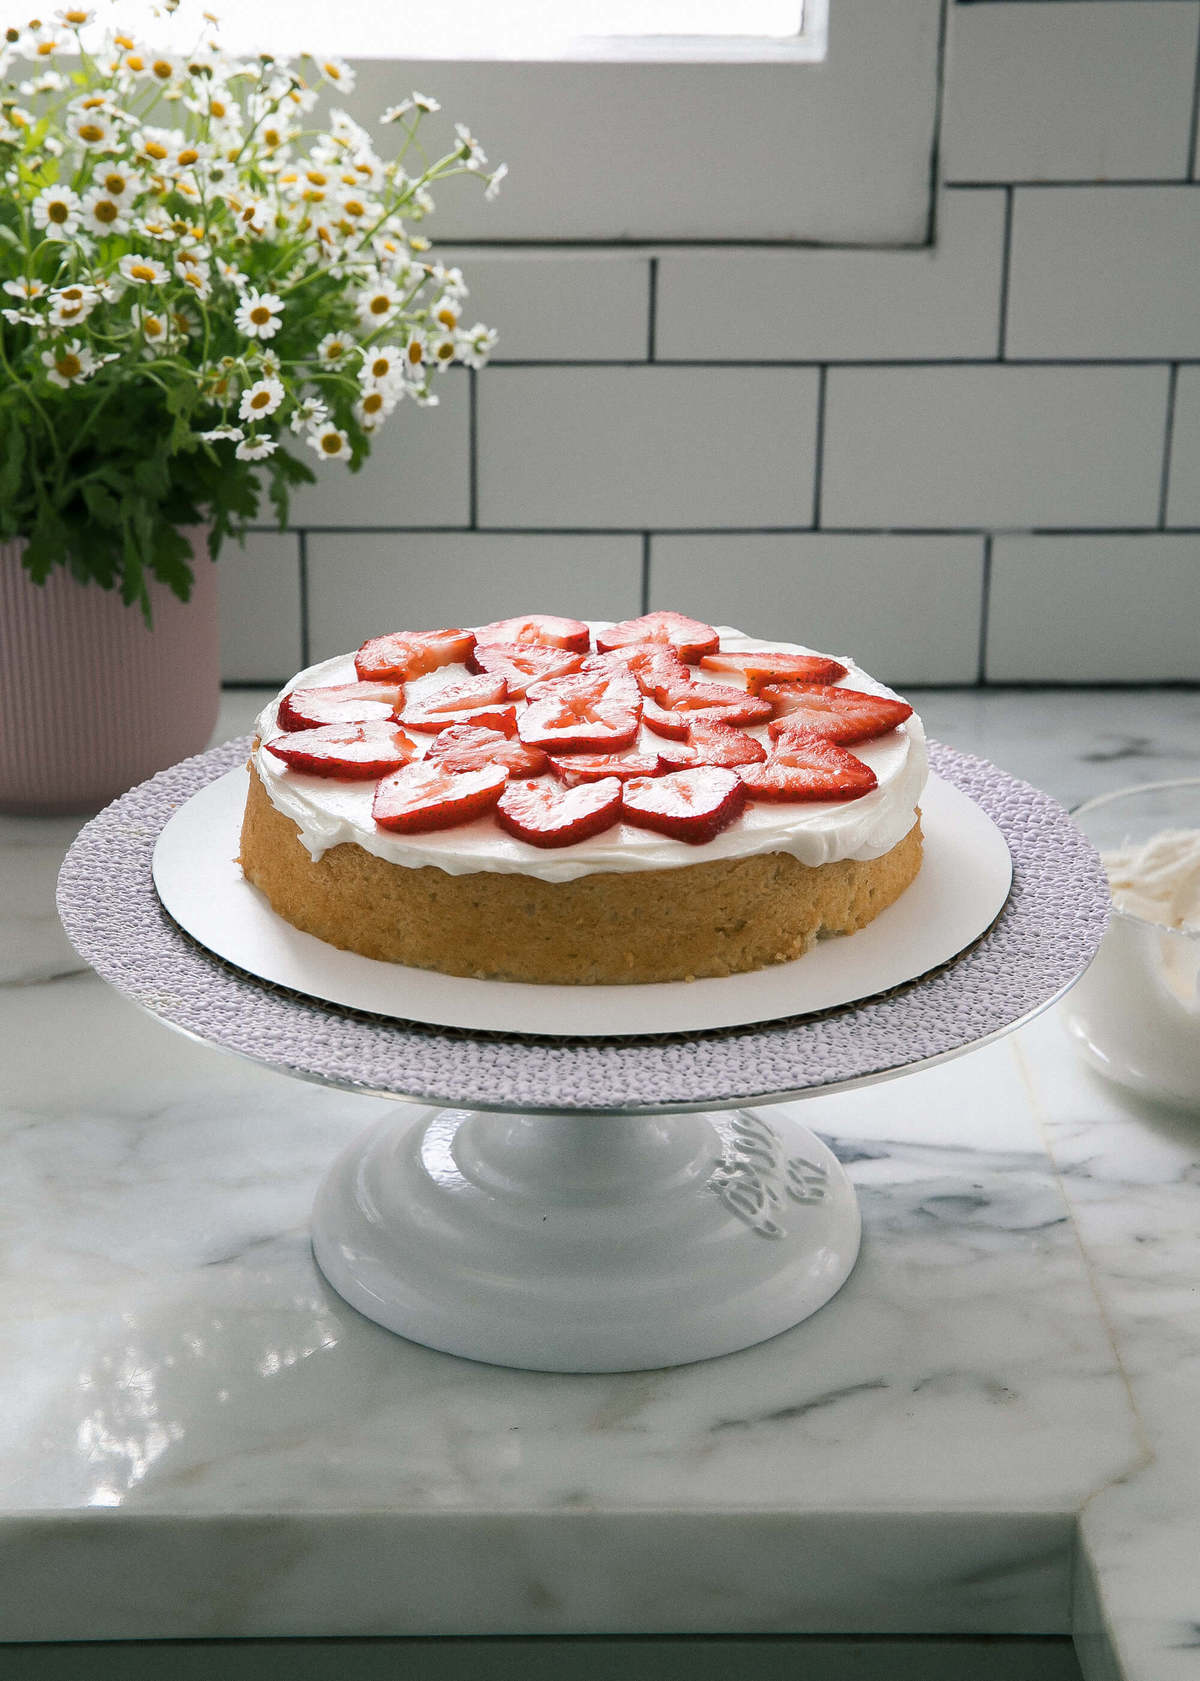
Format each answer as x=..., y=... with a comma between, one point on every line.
x=548, y=814
x=769, y=665
x=649, y=663
x=690, y=805
x=808, y=767
x=428, y=796
x=409, y=653
x=539, y=628
x=593, y=767
x=470, y=747
x=521, y=664
x=690, y=638
x=588, y=685
x=677, y=706
x=354, y=752
x=340, y=703
x=587, y=720
x=476, y=700
x=713, y=744
x=842, y=715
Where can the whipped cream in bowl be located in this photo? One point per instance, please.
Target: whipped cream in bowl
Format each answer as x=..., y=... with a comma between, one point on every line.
x=329, y=812
x=1135, y=1014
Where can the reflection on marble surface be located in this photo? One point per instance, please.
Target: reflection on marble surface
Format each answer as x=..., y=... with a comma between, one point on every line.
x=199, y=1437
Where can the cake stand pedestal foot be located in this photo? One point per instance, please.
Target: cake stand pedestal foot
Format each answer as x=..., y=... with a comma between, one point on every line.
x=587, y=1242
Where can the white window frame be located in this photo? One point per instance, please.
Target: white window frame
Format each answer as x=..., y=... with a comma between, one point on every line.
x=654, y=144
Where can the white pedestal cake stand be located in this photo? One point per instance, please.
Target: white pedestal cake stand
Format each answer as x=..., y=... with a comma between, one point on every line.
x=589, y=1204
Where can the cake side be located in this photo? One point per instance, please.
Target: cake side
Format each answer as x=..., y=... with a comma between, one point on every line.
x=718, y=917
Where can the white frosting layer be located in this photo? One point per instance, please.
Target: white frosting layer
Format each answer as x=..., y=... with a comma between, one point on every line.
x=328, y=812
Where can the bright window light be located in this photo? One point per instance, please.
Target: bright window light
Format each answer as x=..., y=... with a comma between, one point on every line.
x=476, y=29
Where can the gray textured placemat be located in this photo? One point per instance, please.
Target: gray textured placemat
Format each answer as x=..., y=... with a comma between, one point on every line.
x=1044, y=937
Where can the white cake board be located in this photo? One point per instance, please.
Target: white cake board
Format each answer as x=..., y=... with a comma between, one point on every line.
x=957, y=895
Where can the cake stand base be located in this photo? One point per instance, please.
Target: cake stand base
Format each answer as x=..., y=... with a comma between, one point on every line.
x=587, y=1242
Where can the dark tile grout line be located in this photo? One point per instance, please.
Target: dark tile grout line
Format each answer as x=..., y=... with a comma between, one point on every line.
x=1005, y=273
x=819, y=447
x=1164, y=488
x=735, y=530
x=935, y=138
x=1068, y=182
x=645, y=572
x=472, y=451
x=652, y=313
x=985, y=597
x=305, y=636
x=786, y=363
x=1190, y=161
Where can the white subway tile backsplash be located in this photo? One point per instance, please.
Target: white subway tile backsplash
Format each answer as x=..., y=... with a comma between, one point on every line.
x=259, y=586
x=631, y=448
x=1080, y=91
x=825, y=305
x=418, y=471
x=841, y=594
x=1105, y=272
x=1183, y=500
x=1094, y=609
x=993, y=446
x=365, y=583
x=582, y=306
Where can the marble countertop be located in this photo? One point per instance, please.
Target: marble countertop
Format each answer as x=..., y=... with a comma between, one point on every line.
x=991, y=1428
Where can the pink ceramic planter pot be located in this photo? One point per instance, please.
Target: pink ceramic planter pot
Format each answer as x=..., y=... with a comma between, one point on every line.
x=91, y=701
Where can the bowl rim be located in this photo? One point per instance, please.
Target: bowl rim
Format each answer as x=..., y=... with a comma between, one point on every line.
x=1189, y=935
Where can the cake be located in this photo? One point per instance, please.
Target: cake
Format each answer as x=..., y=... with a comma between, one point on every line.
x=540, y=799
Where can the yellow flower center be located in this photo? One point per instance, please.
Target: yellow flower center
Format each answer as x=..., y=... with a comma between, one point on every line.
x=354, y=207
x=141, y=271
x=272, y=138
x=335, y=350
x=447, y=317
x=380, y=304
x=445, y=352
x=89, y=132
x=57, y=211
x=414, y=352
x=115, y=184
x=153, y=327
x=75, y=17
x=188, y=155
x=68, y=312
x=332, y=71
x=45, y=48
x=68, y=366
x=161, y=69
x=154, y=149
x=372, y=403
x=136, y=62
x=218, y=107
x=104, y=210
x=124, y=41
x=380, y=366
x=260, y=314
x=260, y=399
x=317, y=177
x=331, y=443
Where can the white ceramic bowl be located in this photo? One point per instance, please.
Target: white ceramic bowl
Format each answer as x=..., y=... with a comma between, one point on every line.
x=1135, y=1014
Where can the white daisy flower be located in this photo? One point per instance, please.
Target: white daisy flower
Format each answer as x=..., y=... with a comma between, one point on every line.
x=414, y=357
x=50, y=81
x=450, y=280
x=358, y=207
x=334, y=348
x=72, y=304
x=374, y=406
x=258, y=314
x=117, y=183
x=493, y=187
x=443, y=347
x=218, y=434
x=256, y=449
x=309, y=415
x=376, y=303
x=415, y=102
x=155, y=329
x=92, y=129
x=268, y=364
x=254, y=217
x=476, y=345
x=156, y=225
x=445, y=314
x=56, y=209
x=27, y=289
x=330, y=443
x=337, y=71
x=75, y=18
x=469, y=147
x=22, y=318
x=156, y=145
x=102, y=214
x=383, y=365
x=425, y=398
x=143, y=271
x=260, y=399
x=69, y=364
